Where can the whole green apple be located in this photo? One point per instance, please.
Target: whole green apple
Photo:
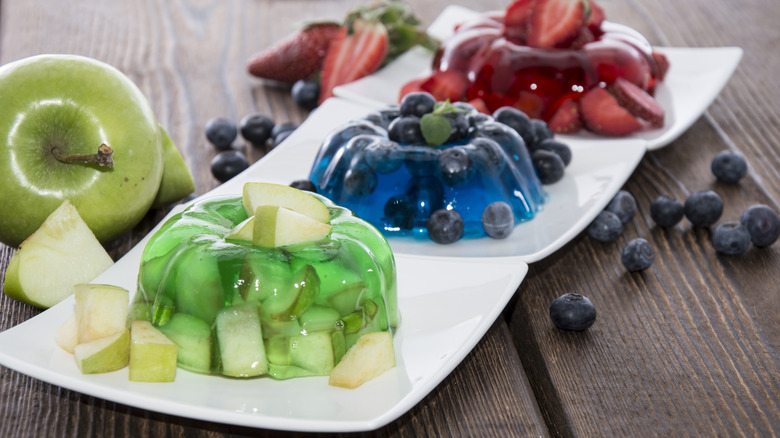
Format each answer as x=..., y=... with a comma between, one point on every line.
x=57, y=111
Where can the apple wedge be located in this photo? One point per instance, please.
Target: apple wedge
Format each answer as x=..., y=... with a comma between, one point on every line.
x=63, y=252
x=152, y=354
x=256, y=194
x=67, y=336
x=176, y=182
x=105, y=354
x=101, y=310
x=371, y=356
x=243, y=231
x=279, y=226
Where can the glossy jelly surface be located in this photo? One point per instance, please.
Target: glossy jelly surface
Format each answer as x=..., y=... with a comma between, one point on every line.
x=313, y=299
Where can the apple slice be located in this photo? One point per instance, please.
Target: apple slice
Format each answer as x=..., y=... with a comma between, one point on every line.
x=371, y=356
x=176, y=182
x=101, y=310
x=240, y=340
x=152, y=354
x=63, y=252
x=243, y=231
x=258, y=193
x=280, y=226
x=105, y=354
x=67, y=335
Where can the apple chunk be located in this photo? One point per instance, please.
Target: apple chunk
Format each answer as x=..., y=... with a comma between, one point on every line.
x=67, y=336
x=152, y=354
x=257, y=193
x=101, y=310
x=105, y=354
x=278, y=226
x=371, y=356
x=243, y=231
x=63, y=252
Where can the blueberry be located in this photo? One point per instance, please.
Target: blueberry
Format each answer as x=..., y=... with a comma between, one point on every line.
x=256, y=128
x=729, y=166
x=498, y=220
x=427, y=193
x=421, y=160
x=666, y=212
x=445, y=226
x=406, y=129
x=304, y=184
x=221, y=132
x=306, y=93
x=417, y=104
x=572, y=312
x=455, y=166
x=477, y=119
x=541, y=132
x=731, y=238
x=703, y=208
x=562, y=149
x=384, y=156
x=489, y=158
x=549, y=166
x=762, y=223
x=399, y=211
x=637, y=255
x=227, y=164
x=280, y=132
x=380, y=119
x=460, y=126
x=465, y=106
x=517, y=120
x=390, y=112
x=360, y=180
x=606, y=227
x=623, y=205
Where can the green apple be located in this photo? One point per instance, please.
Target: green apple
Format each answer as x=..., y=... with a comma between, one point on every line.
x=101, y=310
x=57, y=112
x=240, y=340
x=243, y=231
x=256, y=194
x=371, y=356
x=105, y=354
x=152, y=354
x=279, y=226
x=63, y=252
x=176, y=182
x=67, y=336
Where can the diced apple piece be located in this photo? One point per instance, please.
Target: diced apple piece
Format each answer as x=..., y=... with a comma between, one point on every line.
x=240, y=341
x=67, y=335
x=192, y=336
x=152, y=354
x=101, y=310
x=371, y=356
x=63, y=252
x=257, y=193
x=313, y=352
x=280, y=226
x=243, y=231
x=105, y=354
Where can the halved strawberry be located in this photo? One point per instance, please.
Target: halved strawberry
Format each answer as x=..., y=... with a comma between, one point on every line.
x=446, y=84
x=638, y=102
x=663, y=64
x=516, y=20
x=411, y=87
x=566, y=118
x=597, y=16
x=297, y=56
x=555, y=23
x=603, y=115
x=359, y=48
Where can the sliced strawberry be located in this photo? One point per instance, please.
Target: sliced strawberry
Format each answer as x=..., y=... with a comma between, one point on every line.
x=566, y=119
x=359, y=48
x=297, y=56
x=663, y=64
x=516, y=20
x=555, y=23
x=480, y=105
x=638, y=102
x=603, y=115
x=411, y=87
x=446, y=84
x=597, y=16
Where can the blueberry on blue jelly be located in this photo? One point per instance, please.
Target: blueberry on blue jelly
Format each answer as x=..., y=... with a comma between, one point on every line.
x=221, y=132
x=703, y=208
x=561, y=149
x=489, y=158
x=384, y=155
x=455, y=166
x=498, y=220
x=360, y=180
x=549, y=166
x=445, y=226
x=506, y=138
x=417, y=104
x=399, y=211
x=465, y=107
x=541, y=132
x=406, y=129
x=477, y=119
x=517, y=120
x=421, y=160
x=606, y=227
x=623, y=205
x=459, y=124
x=572, y=312
x=391, y=112
x=637, y=255
x=666, y=212
x=304, y=184
x=729, y=166
x=731, y=238
x=762, y=223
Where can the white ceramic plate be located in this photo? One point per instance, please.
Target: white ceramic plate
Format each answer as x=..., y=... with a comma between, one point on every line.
x=695, y=77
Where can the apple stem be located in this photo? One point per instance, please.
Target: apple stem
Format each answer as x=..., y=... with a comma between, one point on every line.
x=104, y=156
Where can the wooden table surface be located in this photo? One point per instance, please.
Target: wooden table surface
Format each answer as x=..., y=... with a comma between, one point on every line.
x=689, y=347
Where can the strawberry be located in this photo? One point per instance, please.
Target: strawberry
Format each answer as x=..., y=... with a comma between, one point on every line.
x=298, y=56
x=446, y=85
x=637, y=101
x=555, y=23
x=516, y=20
x=663, y=64
x=480, y=105
x=566, y=119
x=602, y=114
x=597, y=16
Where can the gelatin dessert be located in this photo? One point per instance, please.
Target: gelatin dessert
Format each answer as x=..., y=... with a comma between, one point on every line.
x=556, y=60
x=434, y=170
x=284, y=291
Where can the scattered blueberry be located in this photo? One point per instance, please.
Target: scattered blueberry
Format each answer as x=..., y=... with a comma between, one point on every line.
x=455, y=166
x=572, y=312
x=280, y=132
x=384, y=156
x=306, y=93
x=445, y=226
x=562, y=149
x=360, y=180
x=498, y=220
x=623, y=205
x=227, y=164
x=417, y=104
x=541, y=132
x=304, y=184
x=637, y=255
x=256, y=128
x=666, y=212
x=406, y=129
x=731, y=238
x=517, y=120
x=221, y=132
x=606, y=227
x=489, y=158
x=762, y=223
x=549, y=166
x=703, y=208
x=729, y=166
x=399, y=211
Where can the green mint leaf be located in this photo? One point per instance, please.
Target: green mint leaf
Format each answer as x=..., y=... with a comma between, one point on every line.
x=435, y=129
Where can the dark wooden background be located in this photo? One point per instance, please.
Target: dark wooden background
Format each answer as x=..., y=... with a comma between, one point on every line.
x=687, y=348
